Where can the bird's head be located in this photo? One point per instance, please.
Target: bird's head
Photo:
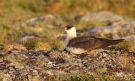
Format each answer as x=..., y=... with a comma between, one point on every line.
x=70, y=30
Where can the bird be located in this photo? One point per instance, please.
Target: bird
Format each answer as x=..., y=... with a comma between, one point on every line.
x=82, y=44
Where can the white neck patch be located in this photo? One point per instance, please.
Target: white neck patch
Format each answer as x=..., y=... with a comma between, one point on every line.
x=71, y=33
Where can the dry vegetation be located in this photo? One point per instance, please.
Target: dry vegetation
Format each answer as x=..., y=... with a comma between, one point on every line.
x=31, y=31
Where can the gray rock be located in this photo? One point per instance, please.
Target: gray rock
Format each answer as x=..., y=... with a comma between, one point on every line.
x=115, y=30
x=106, y=30
x=33, y=21
x=105, y=17
x=27, y=38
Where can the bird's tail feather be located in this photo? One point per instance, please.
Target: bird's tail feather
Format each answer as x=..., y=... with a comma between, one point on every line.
x=116, y=41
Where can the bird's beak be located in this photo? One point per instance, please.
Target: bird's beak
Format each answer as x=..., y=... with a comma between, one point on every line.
x=65, y=29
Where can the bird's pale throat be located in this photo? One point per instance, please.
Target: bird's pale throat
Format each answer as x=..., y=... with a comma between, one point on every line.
x=71, y=33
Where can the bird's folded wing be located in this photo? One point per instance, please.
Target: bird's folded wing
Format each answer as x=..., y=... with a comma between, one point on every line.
x=86, y=42
x=90, y=42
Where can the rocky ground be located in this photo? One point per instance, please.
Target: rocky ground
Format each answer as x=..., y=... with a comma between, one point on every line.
x=30, y=65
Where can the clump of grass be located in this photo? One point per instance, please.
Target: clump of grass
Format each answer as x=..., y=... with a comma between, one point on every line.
x=88, y=77
x=42, y=46
x=86, y=25
x=126, y=45
x=132, y=78
x=101, y=70
x=80, y=77
x=30, y=44
x=121, y=46
x=104, y=77
x=9, y=47
x=57, y=44
x=1, y=79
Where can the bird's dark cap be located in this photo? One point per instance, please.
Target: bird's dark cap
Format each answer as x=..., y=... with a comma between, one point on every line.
x=69, y=26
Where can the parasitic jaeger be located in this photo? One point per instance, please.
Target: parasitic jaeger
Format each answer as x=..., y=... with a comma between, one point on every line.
x=82, y=44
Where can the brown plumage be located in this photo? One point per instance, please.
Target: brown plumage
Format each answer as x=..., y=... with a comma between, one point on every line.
x=83, y=44
x=90, y=42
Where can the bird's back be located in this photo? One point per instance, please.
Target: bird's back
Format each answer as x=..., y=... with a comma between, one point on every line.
x=90, y=42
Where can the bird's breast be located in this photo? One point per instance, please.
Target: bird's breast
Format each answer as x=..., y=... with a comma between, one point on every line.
x=75, y=50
